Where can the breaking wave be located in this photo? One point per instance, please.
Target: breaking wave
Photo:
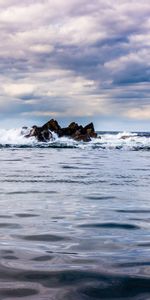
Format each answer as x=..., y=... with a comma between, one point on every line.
x=106, y=140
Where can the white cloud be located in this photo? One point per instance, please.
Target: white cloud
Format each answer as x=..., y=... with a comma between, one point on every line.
x=139, y=113
x=15, y=89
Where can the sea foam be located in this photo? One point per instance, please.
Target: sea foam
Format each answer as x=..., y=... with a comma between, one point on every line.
x=110, y=140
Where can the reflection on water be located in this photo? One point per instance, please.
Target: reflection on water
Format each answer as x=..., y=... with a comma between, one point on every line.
x=74, y=224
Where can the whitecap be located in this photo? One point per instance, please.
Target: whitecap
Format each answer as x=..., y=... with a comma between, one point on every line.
x=123, y=140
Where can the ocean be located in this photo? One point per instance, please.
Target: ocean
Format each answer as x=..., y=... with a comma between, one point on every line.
x=75, y=217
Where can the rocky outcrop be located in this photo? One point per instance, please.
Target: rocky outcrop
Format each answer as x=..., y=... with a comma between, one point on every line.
x=42, y=135
x=74, y=131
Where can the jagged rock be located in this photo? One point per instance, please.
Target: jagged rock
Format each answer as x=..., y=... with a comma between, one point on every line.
x=42, y=135
x=70, y=130
x=52, y=125
x=74, y=131
x=73, y=126
x=78, y=136
x=89, y=129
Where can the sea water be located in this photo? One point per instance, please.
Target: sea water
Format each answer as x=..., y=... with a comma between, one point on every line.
x=75, y=217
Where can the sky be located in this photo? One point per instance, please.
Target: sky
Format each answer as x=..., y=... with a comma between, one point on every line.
x=76, y=60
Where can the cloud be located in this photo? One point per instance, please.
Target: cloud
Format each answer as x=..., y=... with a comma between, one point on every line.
x=75, y=58
x=139, y=113
x=18, y=89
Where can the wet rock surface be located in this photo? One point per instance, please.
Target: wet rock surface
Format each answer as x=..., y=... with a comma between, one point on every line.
x=74, y=131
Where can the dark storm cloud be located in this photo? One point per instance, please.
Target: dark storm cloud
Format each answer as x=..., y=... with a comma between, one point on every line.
x=75, y=58
x=135, y=73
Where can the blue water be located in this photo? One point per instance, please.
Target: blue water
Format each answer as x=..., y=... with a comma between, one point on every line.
x=74, y=223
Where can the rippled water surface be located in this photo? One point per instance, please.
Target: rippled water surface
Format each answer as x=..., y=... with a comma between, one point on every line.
x=74, y=224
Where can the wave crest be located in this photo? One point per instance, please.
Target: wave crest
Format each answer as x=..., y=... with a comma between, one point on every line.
x=109, y=140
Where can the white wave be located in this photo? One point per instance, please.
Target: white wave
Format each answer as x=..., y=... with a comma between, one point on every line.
x=15, y=137
x=122, y=140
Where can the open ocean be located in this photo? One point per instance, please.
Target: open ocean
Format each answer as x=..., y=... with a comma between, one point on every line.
x=75, y=218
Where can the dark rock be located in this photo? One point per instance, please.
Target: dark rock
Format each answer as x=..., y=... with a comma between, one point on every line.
x=78, y=136
x=74, y=131
x=52, y=125
x=42, y=135
x=47, y=135
x=73, y=127
x=89, y=129
x=70, y=130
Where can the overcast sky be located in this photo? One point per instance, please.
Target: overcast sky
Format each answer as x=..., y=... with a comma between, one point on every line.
x=76, y=60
